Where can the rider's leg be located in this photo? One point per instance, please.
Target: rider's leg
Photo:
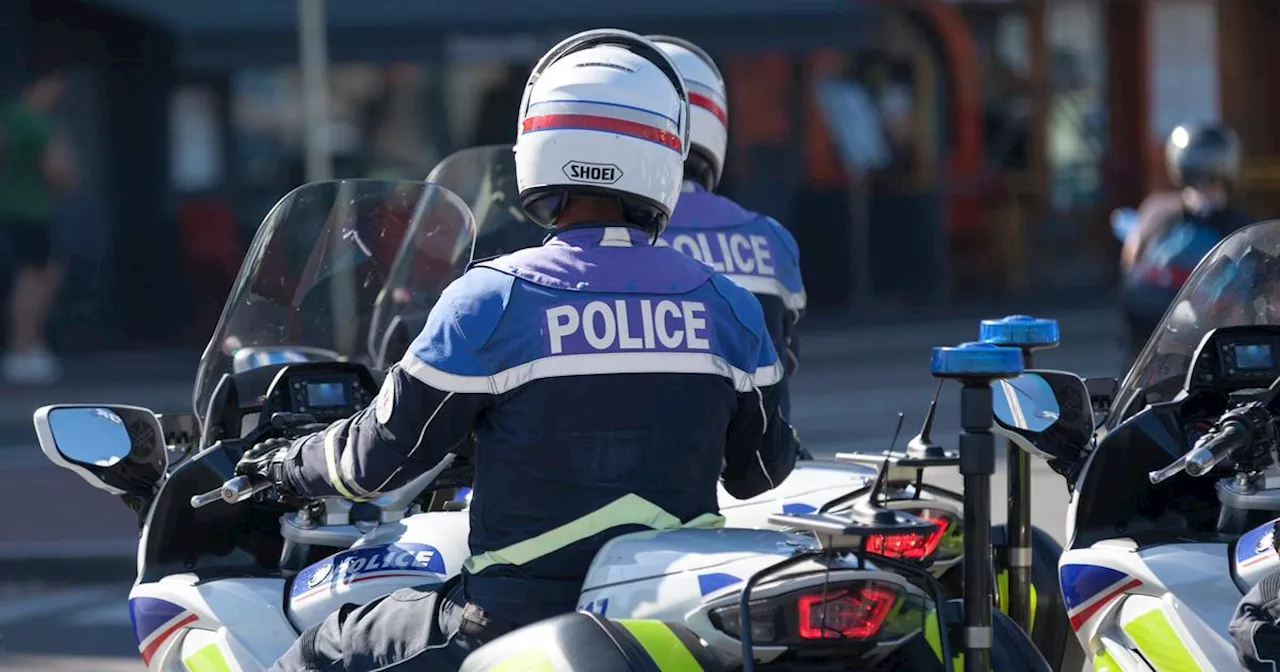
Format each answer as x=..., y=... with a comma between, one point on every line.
x=423, y=628
x=1256, y=626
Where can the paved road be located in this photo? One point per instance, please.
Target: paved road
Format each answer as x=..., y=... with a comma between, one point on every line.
x=848, y=401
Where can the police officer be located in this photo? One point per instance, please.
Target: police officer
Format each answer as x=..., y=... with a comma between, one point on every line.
x=607, y=383
x=753, y=250
x=1255, y=627
x=1176, y=230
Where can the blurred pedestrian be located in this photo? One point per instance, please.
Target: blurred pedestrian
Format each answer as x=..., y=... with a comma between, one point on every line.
x=36, y=170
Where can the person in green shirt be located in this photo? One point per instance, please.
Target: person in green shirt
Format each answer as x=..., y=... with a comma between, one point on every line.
x=36, y=170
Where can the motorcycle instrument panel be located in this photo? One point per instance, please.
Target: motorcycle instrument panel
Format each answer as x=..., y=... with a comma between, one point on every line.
x=324, y=395
x=327, y=396
x=1236, y=357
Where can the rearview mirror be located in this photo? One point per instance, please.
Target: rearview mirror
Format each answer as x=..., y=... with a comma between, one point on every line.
x=1046, y=413
x=117, y=449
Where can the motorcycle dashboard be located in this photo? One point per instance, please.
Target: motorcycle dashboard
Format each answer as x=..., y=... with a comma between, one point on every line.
x=1235, y=358
x=326, y=391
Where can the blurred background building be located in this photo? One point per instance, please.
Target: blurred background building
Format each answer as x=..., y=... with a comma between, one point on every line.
x=925, y=153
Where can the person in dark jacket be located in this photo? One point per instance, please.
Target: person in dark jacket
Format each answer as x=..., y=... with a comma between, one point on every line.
x=1175, y=230
x=751, y=249
x=1255, y=627
x=604, y=384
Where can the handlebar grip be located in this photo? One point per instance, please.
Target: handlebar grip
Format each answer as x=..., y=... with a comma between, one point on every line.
x=241, y=488
x=1210, y=451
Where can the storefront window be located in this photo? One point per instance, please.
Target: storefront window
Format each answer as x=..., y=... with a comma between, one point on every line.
x=379, y=125
x=1002, y=40
x=1076, y=114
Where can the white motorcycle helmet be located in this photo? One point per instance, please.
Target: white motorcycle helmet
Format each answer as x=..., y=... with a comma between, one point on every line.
x=708, y=109
x=605, y=113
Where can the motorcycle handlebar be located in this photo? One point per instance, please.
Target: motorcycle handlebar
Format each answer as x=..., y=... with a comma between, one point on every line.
x=1215, y=448
x=1208, y=452
x=233, y=491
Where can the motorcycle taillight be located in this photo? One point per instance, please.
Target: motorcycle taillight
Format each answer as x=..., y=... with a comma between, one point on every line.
x=917, y=546
x=857, y=613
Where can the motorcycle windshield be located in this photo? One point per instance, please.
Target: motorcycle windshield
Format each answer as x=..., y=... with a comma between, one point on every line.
x=1236, y=284
x=317, y=271
x=484, y=178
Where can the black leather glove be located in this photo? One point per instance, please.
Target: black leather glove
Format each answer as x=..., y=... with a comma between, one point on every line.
x=265, y=462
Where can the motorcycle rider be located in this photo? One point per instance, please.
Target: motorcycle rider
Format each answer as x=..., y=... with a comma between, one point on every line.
x=1175, y=230
x=753, y=250
x=605, y=383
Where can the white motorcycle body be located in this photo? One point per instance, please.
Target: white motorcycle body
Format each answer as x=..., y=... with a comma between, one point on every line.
x=251, y=622
x=183, y=623
x=812, y=484
x=1166, y=607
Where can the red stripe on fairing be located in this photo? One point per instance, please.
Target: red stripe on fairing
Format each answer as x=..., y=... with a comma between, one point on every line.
x=1088, y=612
x=591, y=122
x=155, y=644
x=1266, y=555
x=705, y=102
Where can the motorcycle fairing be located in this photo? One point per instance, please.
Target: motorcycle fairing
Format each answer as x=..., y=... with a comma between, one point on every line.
x=1163, y=607
x=243, y=619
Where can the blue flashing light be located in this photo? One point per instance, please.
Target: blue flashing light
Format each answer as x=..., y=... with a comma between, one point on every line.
x=976, y=360
x=1020, y=331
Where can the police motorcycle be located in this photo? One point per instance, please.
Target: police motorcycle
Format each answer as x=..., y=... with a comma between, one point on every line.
x=229, y=572
x=484, y=177
x=1174, y=509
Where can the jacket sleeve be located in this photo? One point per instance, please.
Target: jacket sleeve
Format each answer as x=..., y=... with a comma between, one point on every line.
x=761, y=448
x=428, y=406
x=795, y=298
x=1254, y=627
x=378, y=450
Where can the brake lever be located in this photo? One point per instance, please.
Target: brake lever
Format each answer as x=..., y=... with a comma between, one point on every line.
x=233, y=491
x=1162, y=475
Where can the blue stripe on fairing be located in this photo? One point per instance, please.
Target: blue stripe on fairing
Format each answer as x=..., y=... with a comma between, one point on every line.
x=1081, y=582
x=798, y=507
x=710, y=583
x=148, y=613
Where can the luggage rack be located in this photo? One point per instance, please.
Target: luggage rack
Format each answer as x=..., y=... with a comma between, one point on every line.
x=904, y=467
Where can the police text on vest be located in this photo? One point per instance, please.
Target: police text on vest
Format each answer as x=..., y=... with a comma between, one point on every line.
x=626, y=325
x=726, y=252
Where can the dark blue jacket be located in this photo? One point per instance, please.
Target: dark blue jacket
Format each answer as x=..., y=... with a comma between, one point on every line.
x=605, y=382
x=754, y=251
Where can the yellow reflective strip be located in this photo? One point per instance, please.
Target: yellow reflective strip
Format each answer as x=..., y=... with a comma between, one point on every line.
x=667, y=651
x=630, y=509
x=933, y=635
x=1103, y=662
x=331, y=463
x=207, y=658
x=1002, y=588
x=1160, y=643
x=529, y=660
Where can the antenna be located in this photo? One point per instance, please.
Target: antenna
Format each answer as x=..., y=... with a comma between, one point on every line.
x=882, y=478
x=922, y=445
x=897, y=431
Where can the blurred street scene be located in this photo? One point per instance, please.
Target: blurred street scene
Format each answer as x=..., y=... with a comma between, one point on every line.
x=938, y=162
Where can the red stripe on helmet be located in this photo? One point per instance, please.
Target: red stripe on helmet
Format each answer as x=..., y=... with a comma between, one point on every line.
x=705, y=102
x=591, y=122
